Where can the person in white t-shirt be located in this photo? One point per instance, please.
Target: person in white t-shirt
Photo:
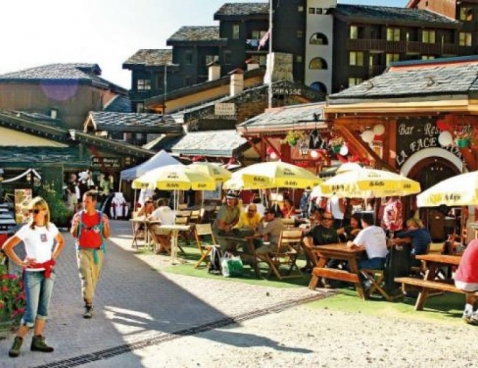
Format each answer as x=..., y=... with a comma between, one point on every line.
x=165, y=216
x=43, y=244
x=374, y=240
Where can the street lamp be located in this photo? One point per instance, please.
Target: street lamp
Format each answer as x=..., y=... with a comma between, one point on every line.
x=166, y=84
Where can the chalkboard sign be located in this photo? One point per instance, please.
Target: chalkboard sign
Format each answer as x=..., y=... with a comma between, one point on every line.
x=416, y=134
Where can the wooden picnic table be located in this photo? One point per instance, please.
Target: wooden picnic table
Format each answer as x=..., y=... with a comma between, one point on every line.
x=338, y=251
x=430, y=282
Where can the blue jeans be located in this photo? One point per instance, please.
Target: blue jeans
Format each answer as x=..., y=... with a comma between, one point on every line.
x=38, y=290
x=372, y=264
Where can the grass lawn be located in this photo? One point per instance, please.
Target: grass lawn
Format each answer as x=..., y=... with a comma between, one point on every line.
x=446, y=308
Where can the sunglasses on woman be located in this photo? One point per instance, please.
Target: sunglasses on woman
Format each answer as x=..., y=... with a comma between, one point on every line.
x=36, y=211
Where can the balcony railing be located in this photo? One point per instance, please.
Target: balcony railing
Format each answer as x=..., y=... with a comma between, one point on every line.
x=401, y=47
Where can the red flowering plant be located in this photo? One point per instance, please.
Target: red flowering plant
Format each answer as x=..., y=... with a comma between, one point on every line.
x=12, y=296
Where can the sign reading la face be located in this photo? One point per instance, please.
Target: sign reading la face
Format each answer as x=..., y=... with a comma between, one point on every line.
x=106, y=162
x=414, y=135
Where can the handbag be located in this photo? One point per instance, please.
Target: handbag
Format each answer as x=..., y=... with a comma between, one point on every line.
x=231, y=266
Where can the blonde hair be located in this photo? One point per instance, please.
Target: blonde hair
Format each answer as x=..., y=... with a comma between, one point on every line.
x=415, y=222
x=41, y=204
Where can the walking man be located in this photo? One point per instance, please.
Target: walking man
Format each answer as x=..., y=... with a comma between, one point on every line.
x=90, y=228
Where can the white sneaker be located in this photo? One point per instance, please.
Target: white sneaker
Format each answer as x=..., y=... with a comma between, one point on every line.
x=467, y=315
x=474, y=318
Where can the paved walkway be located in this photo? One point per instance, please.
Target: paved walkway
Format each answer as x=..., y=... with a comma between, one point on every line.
x=137, y=305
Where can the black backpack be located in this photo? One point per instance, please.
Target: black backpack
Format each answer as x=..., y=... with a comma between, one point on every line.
x=215, y=260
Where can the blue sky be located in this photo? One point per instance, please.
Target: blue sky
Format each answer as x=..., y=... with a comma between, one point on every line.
x=106, y=32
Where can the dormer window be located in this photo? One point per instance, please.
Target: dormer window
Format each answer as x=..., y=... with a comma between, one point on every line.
x=143, y=85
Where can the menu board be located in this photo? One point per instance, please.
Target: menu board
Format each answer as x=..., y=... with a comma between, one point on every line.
x=22, y=199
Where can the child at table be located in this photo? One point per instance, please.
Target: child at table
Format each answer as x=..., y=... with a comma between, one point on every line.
x=466, y=279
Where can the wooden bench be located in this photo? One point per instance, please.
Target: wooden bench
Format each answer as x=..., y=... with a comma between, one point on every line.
x=331, y=273
x=427, y=286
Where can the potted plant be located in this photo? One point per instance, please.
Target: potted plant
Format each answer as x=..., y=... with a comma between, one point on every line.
x=464, y=135
x=336, y=143
x=293, y=137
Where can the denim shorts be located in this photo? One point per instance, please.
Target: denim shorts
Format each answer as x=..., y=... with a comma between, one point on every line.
x=38, y=290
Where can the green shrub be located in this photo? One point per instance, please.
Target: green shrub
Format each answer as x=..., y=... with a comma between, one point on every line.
x=60, y=214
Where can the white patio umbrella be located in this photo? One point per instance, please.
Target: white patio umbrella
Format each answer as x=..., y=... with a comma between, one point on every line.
x=459, y=190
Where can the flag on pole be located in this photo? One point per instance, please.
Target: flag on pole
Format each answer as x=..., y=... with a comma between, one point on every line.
x=264, y=39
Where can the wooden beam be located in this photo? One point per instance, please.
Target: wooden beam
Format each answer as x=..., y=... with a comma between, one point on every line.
x=253, y=145
x=363, y=148
x=470, y=160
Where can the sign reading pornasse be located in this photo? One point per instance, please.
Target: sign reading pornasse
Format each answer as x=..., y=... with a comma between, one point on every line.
x=224, y=109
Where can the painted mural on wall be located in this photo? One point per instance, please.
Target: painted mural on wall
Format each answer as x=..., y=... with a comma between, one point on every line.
x=414, y=135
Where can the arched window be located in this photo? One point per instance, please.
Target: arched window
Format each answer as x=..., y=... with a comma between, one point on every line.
x=318, y=63
x=319, y=86
x=318, y=39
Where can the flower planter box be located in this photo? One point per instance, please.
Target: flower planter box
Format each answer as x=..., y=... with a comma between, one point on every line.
x=462, y=142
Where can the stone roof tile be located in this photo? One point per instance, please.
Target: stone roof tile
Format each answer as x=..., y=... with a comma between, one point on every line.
x=220, y=143
x=150, y=57
x=196, y=34
x=242, y=9
x=135, y=121
x=391, y=14
x=436, y=78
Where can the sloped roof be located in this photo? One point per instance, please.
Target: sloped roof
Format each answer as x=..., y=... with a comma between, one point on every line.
x=447, y=76
x=69, y=73
x=286, y=118
x=119, y=104
x=196, y=34
x=150, y=57
x=241, y=10
x=20, y=157
x=153, y=123
x=218, y=143
x=392, y=15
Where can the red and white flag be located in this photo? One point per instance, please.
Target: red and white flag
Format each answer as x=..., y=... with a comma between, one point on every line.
x=264, y=39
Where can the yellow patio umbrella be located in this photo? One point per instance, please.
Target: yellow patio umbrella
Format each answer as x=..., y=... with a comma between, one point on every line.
x=367, y=183
x=174, y=177
x=218, y=173
x=276, y=174
x=459, y=190
x=237, y=183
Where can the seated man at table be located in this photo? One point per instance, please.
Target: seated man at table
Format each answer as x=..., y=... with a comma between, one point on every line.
x=374, y=240
x=269, y=229
x=417, y=235
x=226, y=219
x=164, y=215
x=466, y=279
x=321, y=234
x=249, y=219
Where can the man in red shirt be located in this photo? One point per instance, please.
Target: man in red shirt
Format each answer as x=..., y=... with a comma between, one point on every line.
x=466, y=279
x=90, y=228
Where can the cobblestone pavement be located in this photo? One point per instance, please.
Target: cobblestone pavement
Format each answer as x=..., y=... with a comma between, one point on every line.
x=137, y=305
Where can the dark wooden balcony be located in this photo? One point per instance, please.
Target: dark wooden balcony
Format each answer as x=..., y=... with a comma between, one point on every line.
x=402, y=47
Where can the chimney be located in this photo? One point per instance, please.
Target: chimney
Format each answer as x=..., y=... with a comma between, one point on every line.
x=252, y=63
x=237, y=81
x=214, y=71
